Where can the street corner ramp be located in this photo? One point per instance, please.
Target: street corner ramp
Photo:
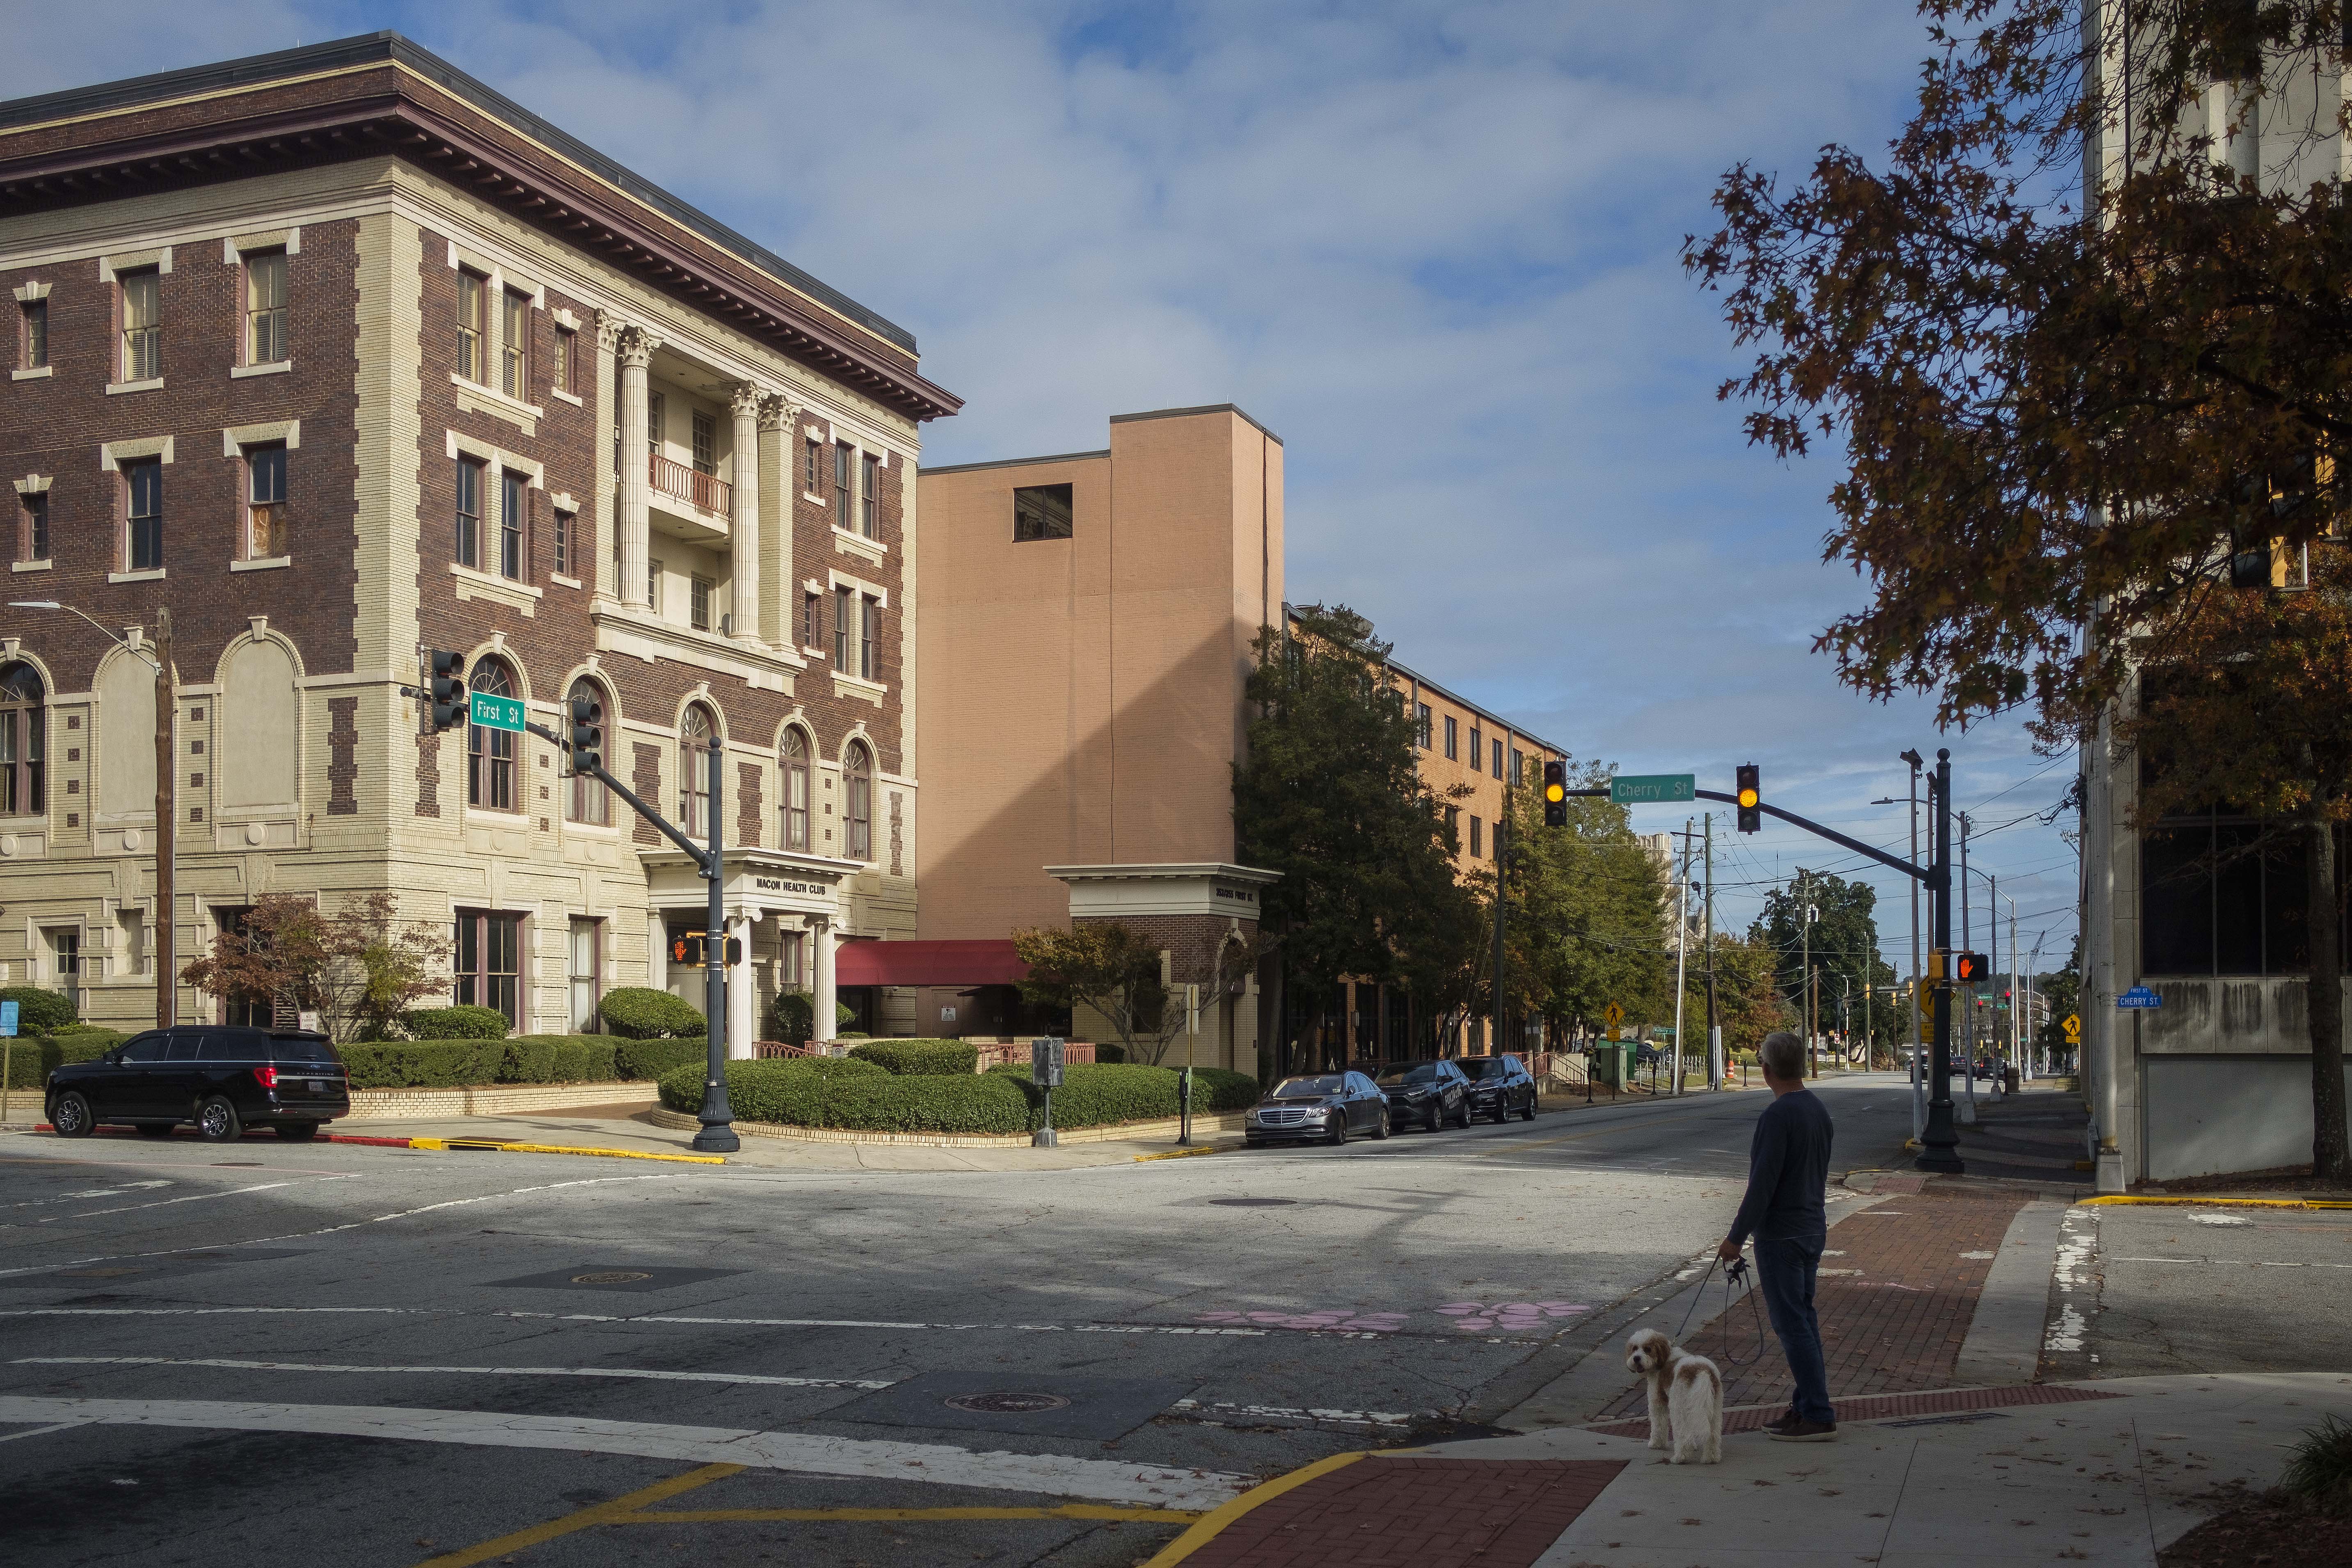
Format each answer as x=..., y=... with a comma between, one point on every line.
x=1045, y=1404
x=1355, y=1509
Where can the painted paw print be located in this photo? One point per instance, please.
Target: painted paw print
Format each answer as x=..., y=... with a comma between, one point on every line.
x=1477, y=1317
x=1342, y=1318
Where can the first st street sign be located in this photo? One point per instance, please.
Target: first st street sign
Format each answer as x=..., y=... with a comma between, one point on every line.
x=496, y=712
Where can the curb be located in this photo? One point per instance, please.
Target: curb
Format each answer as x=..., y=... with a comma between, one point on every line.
x=2120, y=1198
x=1215, y=1521
x=1181, y=1154
x=468, y=1146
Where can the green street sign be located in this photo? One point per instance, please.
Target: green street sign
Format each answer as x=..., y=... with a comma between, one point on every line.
x=496, y=712
x=1652, y=789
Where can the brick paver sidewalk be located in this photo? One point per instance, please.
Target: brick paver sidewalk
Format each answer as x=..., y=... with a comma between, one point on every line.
x=1406, y=1512
x=1898, y=1289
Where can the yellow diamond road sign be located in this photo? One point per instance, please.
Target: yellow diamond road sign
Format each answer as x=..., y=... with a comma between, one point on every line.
x=2074, y=1027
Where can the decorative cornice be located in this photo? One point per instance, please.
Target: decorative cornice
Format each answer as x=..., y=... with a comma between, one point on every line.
x=382, y=96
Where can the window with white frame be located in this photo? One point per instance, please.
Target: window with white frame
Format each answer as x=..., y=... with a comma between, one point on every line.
x=32, y=526
x=266, y=339
x=490, y=753
x=514, y=346
x=869, y=635
x=697, y=734
x=473, y=479
x=584, y=953
x=473, y=348
x=32, y=334
x=265, y=502
x=487, y=963
x=869, y=487
x=858, y=779
x=142, y=515
x=796, y=790
x=514, y=514
x=141, y=300
x=23, y=720
x=844, y=454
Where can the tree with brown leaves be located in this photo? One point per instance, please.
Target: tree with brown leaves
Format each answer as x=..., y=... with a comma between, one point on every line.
x=2085, y=337
x=358, y=969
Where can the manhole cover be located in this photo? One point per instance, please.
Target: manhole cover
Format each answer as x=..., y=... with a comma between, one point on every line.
x=610, y=1276
x=1251, y=1203
x=1007, y=1403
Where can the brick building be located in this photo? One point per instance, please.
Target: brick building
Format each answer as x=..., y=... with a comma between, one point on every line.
x=341, y=356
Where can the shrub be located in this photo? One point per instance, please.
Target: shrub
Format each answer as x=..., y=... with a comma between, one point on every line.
x=640, y=1012
x=559, y=1058
x=32, y=1055
x=424, y=1064
x=851, y=1034
x=1109, y=1055
x=38, y=1012
x=640, y=1060
x=1100, y=1094
x=455, y=1024
x=804, y=1092
x=920, y=1058
x=2321, y=1469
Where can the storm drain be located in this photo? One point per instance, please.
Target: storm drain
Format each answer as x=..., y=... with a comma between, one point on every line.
x=1007, y=1403
x=579, y=1278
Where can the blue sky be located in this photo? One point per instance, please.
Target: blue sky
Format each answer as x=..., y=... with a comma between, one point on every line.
x=1434, y=245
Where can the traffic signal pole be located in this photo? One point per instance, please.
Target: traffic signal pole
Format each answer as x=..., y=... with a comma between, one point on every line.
x=1939, y=1144
x=717, y=1135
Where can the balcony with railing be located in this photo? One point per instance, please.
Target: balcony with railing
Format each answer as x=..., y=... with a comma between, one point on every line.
x=680, y=481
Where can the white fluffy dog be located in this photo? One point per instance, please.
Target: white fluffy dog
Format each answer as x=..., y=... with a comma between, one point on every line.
x=1685, y=1397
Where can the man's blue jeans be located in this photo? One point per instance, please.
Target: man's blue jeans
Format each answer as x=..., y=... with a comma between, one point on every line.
x=1785, y=1270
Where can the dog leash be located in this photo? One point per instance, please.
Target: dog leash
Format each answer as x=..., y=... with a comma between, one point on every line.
x=1735, y=1275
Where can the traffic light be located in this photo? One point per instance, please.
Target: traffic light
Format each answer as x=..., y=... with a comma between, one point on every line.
x=1750, y=793
x=1555, y=795
x=587, y=734
x=1970, y=969
x=448, y=689
x=691, y=950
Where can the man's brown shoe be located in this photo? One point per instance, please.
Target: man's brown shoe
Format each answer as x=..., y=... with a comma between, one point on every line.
x=1800, y=1431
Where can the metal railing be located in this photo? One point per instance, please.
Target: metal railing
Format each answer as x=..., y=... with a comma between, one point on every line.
x=708, y=491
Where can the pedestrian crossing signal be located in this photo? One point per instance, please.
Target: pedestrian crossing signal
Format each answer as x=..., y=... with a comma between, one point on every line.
x=1749, y=792
x=691, y=950
x=1555, y=792
x=1970, y=968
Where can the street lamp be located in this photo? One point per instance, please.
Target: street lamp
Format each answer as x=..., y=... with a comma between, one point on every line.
x=167, y=768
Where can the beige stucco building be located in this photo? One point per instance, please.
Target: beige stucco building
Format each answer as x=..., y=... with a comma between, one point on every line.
x=1087, y=629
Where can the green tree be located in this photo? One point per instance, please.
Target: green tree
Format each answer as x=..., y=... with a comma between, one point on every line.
x=1330, y=796
x=358, y=967
x=2062, y=993
x=1588, y=922
x=2073, y=415
x=1843, y=949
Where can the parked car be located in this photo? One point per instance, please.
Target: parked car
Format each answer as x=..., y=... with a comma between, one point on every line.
x=224, y=1079
x=1432, y=1093
x=1327, y=1106
x=1499, y=1086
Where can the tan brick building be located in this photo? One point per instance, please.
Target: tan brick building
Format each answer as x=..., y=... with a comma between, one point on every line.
x=341, y=355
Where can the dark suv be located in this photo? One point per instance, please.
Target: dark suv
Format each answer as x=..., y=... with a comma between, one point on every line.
x=224, y=1079
x=1499, y=1086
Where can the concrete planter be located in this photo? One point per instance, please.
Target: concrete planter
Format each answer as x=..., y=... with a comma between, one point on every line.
x=492, y=1099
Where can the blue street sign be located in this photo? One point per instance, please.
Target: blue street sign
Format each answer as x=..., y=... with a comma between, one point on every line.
x=2139, y=997
x=7, y=1018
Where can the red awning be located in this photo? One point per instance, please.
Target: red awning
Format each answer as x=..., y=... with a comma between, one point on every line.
x=990, y=962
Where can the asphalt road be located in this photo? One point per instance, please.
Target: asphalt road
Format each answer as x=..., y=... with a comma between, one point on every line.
x=381, y=1356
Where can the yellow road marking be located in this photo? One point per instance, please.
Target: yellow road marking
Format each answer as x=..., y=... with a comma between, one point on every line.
x=794, y=1515
x=2119, y=1198
x=1207, y=1529
x=586, y=1518
x=488, y=1146
x=1180, y=1154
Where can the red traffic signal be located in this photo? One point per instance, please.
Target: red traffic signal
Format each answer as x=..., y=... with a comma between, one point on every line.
x=691, y=950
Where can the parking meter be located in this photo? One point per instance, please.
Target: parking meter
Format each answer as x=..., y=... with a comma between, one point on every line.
x=1045, y=1058
x=1184, y=1108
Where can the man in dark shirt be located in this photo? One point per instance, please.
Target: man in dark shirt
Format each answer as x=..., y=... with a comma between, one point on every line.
x=1788, y=1167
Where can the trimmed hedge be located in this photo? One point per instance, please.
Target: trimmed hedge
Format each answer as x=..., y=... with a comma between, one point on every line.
x=920, y=1058
x=467, y=1063
x=32, y=1055
x=642, y=1060
x=455, y=1024
x=38, y=1012
x=1110, y=1056
x=791, y=1013
x=641, y=1012
x=847, y=1092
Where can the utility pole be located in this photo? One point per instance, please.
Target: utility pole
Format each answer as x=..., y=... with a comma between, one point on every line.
x=1502, y=897
x=1681, y=954
x=1919, y=1069
x=1939, y=1144
x=1805, y=961
x=1715, y=1072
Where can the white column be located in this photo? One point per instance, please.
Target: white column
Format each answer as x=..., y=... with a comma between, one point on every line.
x=823, y=992
x=741, y=996
x=636, y=355
x=656, y=953
x=743, y=526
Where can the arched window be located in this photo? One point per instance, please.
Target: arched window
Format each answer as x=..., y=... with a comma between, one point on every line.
x=22, y=790
x=695, y=736
x=587, y=800
x=857, y=772
x=490, y=753
x=796, y=790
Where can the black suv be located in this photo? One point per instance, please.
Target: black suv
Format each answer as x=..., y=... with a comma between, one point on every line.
x=1431, y=1093
x=224, y=1079
x=1499, y=1086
